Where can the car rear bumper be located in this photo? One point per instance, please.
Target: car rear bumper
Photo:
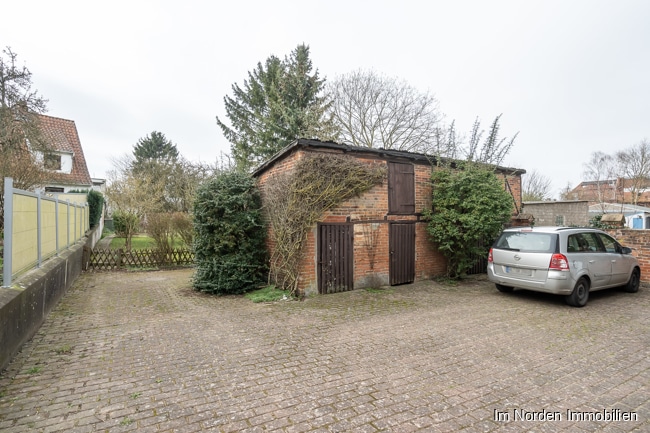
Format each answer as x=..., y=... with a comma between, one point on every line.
x=557, y=282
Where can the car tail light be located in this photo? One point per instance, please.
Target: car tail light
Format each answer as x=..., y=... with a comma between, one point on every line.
x=490, y=258
x=559, y=262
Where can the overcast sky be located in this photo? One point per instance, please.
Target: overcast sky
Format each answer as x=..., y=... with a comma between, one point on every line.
x=572, y=77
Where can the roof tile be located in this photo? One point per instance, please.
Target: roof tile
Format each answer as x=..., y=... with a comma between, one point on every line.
x=62, y=135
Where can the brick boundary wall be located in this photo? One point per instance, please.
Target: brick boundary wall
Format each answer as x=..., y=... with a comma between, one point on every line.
x=639, y=241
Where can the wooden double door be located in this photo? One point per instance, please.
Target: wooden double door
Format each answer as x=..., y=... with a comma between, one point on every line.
x=336, y=255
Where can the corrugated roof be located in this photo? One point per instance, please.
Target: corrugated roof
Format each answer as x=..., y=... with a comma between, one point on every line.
x=617, y=208
x=62, y=135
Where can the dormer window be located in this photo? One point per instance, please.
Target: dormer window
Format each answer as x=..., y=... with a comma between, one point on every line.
x=52, y=161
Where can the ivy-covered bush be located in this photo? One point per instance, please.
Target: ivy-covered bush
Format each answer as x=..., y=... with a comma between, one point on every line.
x=95, y=206
x=229, y=242
x=470, y=206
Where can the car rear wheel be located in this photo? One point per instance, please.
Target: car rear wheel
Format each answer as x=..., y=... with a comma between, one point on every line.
x=580, y=294
x=632, y=285
x=503, y=289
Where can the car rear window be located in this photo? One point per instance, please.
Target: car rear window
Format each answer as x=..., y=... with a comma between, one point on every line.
x=527, y=242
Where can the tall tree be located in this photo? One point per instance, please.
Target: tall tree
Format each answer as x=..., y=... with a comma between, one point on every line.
x=374, y=110
x=279, y=102
x=634, y=165
x=535, y=187
x=154, y=147
x=16, y=93
x=20, y=135
x=304, y=112
x=171, y=179
x=601, y=169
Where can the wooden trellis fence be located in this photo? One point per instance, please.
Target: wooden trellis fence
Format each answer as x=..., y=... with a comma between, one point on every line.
x=109, y=259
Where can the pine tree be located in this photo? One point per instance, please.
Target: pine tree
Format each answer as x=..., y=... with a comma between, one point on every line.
x=155, y=147
x=278, y=103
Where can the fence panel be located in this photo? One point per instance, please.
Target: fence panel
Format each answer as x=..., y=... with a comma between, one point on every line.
x=110, y=259
x=48, y=225
x=37, y=227
x=24, y=230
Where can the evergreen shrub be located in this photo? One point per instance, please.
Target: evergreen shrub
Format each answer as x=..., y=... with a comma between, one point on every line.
x=95, y=206
x=470, y=208
x=229, y=242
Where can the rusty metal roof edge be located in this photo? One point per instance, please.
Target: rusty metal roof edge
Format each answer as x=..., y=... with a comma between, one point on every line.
x=347, y=148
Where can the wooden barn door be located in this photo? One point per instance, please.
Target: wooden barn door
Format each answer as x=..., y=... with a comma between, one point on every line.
x=402, y=253
x=335, y=258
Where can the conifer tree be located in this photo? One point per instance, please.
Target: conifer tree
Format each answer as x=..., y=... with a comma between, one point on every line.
x=154, y=148
x=279, y=102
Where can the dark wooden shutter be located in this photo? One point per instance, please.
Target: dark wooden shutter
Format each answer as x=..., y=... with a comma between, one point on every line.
x=401, y=188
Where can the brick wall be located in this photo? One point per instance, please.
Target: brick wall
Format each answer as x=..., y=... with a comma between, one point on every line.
x=639, y=241
x=370, y=218
x=574, y=212
x=514, y=184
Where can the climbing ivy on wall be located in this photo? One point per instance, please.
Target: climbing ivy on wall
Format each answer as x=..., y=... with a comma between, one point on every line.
x=296, y=200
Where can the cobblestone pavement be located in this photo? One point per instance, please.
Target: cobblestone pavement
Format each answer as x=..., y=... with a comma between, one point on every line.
x=143, y=352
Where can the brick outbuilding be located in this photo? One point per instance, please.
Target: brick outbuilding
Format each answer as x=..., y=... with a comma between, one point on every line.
x=380, y=237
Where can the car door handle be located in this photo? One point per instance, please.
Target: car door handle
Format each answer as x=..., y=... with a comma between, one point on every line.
x=592, y=261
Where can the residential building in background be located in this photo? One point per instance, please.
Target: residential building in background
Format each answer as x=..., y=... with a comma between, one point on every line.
x=65, y=160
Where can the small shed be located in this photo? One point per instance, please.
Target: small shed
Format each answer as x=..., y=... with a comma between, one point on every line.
x=380, y=237
x=613, y=219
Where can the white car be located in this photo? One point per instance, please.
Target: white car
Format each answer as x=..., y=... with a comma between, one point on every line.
x=565, y=261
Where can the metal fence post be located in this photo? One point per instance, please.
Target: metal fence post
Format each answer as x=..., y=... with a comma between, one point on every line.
x=67, y=224
x=39, y=230
x=75, y=222
x=9, y=225
x=56, y=223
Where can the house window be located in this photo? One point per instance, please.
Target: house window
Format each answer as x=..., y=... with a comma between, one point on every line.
x=53, y=189
x=52, y=161
x=401, y=188
x=559, y=220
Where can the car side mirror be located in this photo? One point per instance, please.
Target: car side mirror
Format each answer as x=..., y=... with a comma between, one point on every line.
x=626, y=250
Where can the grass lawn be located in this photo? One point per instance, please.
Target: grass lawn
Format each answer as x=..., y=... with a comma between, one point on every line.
x=142, y=242
x=268, y=294
x=138, y=242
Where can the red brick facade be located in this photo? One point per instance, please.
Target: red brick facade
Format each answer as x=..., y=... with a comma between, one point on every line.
x=370, y=217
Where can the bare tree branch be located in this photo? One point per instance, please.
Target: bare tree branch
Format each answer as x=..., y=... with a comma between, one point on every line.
x=373, y=110
x=634, y=165
x=535, y=187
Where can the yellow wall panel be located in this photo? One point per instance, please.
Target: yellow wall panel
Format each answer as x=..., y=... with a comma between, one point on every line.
x=48, y=228
x=73, y=223
x=24, y=233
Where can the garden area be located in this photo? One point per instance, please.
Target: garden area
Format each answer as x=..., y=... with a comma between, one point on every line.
x=160, y=240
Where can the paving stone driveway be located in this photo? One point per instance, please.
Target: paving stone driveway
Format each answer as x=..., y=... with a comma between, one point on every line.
x=143, y=352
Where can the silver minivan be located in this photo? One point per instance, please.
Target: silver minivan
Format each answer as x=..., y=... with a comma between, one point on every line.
x=565, y=261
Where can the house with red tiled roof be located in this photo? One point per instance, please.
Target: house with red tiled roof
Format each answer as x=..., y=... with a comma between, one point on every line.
x=65, y=159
